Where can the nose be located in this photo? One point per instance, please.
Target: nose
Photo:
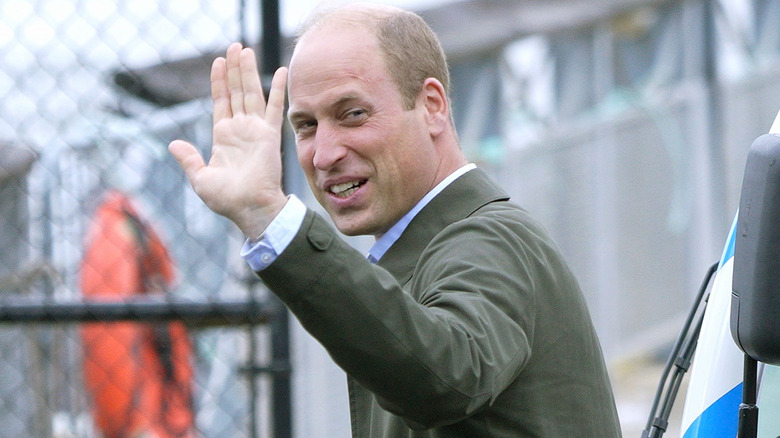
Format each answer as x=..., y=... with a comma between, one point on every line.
x=328, y=151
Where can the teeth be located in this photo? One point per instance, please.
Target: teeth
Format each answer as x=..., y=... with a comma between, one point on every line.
x=345, y=189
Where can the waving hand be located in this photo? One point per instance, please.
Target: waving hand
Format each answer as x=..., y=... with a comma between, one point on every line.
x=242, y=178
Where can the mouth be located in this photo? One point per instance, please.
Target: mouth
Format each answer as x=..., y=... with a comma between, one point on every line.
x=346, y=189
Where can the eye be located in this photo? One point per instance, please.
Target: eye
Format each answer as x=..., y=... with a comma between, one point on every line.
x=305, y=127
x=355, y=115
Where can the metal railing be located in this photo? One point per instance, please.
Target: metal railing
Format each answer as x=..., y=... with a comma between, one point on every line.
x=246, y=313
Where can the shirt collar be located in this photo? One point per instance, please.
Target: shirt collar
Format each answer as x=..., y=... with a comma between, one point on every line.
x=387, y=240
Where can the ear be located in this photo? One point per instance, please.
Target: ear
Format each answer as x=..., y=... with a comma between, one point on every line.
x=435, y=104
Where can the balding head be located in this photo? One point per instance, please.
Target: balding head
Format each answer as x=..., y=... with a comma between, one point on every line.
x=410, y=49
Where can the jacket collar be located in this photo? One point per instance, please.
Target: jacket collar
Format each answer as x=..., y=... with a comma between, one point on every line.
x=460, y=199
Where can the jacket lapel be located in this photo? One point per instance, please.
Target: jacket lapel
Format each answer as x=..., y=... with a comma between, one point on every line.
x=460, y=199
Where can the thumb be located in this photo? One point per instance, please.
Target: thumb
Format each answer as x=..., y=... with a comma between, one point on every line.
x=188, y=157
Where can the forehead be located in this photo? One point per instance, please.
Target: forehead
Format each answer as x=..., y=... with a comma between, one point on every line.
x=332, y=60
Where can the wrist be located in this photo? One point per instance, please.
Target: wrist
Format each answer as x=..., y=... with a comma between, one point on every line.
x=253, y=221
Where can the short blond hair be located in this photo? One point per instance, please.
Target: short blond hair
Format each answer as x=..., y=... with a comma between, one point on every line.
x=411, y=50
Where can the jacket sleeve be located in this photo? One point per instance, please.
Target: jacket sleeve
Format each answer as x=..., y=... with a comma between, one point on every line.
x=433, y=350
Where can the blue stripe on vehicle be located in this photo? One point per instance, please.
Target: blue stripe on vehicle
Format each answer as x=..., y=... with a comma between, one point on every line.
x=728, y=250
x=720, y=419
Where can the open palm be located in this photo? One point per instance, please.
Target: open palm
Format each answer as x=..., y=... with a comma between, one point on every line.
x=242, y=179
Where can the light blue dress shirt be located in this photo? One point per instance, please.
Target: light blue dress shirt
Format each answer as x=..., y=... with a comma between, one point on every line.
x=281, y=231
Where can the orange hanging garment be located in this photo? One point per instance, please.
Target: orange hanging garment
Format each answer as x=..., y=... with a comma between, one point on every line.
x=139, y=375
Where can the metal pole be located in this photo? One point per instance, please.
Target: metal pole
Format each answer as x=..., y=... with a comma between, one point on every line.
x=250, y=370
x=280, y=332
x=271, y=52
x=748, y=411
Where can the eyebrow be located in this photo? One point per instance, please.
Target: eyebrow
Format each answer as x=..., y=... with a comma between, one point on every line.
x=340, y=102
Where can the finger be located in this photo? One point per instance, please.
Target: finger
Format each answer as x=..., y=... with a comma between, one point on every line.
x=233, y=69
x=188, y=157
x=274, y=112
x=219, y=90
x=254, y=102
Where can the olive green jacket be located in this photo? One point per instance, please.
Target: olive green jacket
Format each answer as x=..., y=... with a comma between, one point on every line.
x=471, y=325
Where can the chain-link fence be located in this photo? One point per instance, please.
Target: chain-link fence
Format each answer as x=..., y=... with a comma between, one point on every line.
x=92, y=206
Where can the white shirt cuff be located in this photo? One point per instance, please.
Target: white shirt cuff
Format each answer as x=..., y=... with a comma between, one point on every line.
x=280, y=232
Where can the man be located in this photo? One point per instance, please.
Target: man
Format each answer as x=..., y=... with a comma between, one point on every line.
x=469, y=324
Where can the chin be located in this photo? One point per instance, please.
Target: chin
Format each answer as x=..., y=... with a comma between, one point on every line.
x=351, y=228
x=351, y=231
